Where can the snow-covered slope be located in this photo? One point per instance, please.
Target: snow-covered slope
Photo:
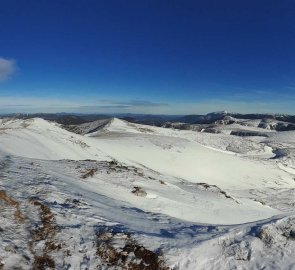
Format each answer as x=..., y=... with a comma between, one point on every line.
x=156, y=148
x=174, y=190
x=38, y=138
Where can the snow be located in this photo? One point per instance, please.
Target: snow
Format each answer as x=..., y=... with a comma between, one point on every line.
x=44, y=140
x=208, y=201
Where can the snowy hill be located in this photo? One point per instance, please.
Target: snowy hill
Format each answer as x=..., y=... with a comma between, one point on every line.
x=180, y=191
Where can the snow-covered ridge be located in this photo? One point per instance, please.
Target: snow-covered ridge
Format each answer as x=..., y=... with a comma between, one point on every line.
x=174, y=153
x=173, y=189
x=89, y=127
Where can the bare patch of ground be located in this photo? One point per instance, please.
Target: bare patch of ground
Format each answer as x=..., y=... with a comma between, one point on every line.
x=120, y=251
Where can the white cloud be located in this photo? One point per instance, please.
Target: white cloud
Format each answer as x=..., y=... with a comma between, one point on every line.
x=7, y=68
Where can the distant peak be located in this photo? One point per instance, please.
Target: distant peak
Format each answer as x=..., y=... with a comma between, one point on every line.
x=218, y=113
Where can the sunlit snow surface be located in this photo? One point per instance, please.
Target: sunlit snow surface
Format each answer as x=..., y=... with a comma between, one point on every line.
x=204, y=201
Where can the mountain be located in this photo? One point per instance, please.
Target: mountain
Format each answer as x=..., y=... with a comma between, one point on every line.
x=111, y=194
x=280, y=122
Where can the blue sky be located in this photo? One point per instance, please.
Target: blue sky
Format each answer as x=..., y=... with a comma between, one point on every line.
x=155, y=56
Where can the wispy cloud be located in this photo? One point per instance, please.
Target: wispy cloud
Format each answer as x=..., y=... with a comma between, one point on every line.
x=131, y=103
x=263, y=95
x=26, y=104
x=15, y=105
x=34, y=105
x=116, y=106
x=291, y=87
x=7, y=68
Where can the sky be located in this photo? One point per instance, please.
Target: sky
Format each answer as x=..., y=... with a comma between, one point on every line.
x=147, y=56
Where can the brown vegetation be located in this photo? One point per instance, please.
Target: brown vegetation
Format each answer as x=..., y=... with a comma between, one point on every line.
x=131, y=256
x=46, y=231
x=43, y=262
x=11, y=202
x=89, y=173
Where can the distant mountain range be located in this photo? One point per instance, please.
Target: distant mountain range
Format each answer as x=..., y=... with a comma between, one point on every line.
x=162, y=120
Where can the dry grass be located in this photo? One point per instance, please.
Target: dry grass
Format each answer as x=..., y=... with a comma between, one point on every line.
x=131, y=256
x=11, y=202
x=145, y=130
x=89, y=173
x=45, y=232
x=47, y=229
x=43, y=262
